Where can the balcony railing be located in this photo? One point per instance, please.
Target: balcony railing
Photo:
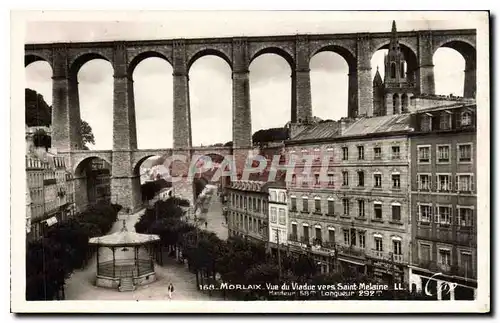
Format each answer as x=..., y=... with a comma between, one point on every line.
x=305, y=240
x=351, y=251
x=317, y=242
x=293, y=237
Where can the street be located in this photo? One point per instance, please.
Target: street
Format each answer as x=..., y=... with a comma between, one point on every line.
x=81, y=284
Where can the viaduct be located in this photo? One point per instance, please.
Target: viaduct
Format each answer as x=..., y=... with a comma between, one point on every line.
x=357, y=49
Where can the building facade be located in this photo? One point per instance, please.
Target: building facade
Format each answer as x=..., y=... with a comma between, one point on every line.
x=247, y=209
x=49, y=184
x=359, y=213
x=278, y=214
x=443, y=201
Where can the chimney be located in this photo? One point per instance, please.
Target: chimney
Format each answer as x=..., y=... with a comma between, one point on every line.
x=343, y=126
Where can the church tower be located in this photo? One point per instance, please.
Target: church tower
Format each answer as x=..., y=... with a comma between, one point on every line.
x=378, y=95
x=395, y=79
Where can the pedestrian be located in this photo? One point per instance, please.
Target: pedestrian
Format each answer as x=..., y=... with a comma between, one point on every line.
x=170, y=290
x=206, y=223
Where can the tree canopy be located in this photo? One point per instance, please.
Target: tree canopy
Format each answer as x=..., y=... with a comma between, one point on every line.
x=264, y=136
x=39, y=113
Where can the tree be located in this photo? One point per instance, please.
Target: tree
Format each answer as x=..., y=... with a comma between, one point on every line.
x=87, y=135
x=264, y=136
x=39, y=113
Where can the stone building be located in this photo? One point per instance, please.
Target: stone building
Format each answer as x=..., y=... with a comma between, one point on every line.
x=353, y=204
x=247, y=209
x=443, y=199
x=36, y=198
x=99, y=181
x=49, y=183
x=278, y=214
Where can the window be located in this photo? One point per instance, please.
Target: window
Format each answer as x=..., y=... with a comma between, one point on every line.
x=378, y=244
x=444, y=215
x=393, y=70
x=293, y=203
x=305, y=228
x=294, y=230
x=305, y=204
x=424, y=213
x=396, y=181
x=361, y=208
x=425, y=253
x=395, y=152
x=445, y=121
x=443, y=154
x=443, y=183
x=345, y=178
x=464, y=216
x=294, y=179
x=465, y=183
x=466, y=119
x=330, y=180
x=396, y=213
x=424, y=182
x=377, y=179
x=316, y=179
x=282, y=218
x=318, y=234
x=464, y=153
x=377, y=152
x=347, y=238
x=273, y=215
x=317, y=204
x=466, y=262
x=361, y=178
x=396, y=247
x=282, y=197
x=444, y=257
x=361, y=237
x=377, y=210
x=345, y=204
x=345, y=153
x=331, y=207
x=331, y=235
x=426, y=123
x=424, y=154
x=361, y=152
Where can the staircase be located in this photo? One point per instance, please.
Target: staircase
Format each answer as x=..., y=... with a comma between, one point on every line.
x=126, y=284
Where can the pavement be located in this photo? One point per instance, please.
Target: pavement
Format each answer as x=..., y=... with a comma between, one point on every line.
x=81, y=284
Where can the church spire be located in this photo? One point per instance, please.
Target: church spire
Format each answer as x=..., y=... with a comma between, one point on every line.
x=377, y=80
x=394, y=31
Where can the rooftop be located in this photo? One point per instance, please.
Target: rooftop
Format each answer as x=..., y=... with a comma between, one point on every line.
x=124, y=238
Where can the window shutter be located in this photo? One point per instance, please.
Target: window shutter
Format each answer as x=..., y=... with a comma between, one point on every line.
x=436, y=214
x=419, y=213
x=457, y=186
x=472, y=183
x=418, y=183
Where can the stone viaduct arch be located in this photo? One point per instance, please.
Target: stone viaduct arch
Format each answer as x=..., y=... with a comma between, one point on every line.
x=357, y=48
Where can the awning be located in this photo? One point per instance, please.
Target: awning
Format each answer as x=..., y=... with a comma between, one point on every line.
x=51, y=221
x=352, y=262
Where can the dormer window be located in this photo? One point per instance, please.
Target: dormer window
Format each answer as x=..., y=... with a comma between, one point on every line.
x=445, y=121
x=466, y=119
x=426, y=122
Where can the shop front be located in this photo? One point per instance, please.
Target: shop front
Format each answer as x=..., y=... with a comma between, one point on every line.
x=442, y=287
x=386, y=272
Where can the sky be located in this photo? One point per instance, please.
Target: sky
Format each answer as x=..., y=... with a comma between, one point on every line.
x=210, y=76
